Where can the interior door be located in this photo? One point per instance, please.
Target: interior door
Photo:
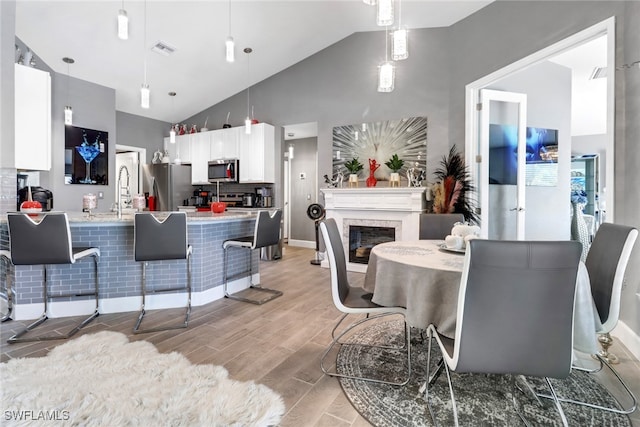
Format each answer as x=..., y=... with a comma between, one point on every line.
x=503, y=149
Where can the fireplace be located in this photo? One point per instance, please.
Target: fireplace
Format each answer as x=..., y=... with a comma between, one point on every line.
x=396, y=208
x=362, y=238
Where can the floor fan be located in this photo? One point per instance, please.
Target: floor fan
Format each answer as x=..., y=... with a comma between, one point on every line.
x=316, y=212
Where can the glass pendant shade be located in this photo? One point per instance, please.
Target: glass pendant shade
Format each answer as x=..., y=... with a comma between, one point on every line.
x=370, y=2
x=68, y=115
x=386, y=77
x=172, y=135
x=400, y=44
x=123, y=24
x=290, y=151
x=145, y=95
x=384, y=16
x=247, y=125
x=230, y=46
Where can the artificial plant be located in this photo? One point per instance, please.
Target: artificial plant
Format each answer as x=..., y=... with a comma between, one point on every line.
x=453, y=188
x=394, y=163
x=354, y=166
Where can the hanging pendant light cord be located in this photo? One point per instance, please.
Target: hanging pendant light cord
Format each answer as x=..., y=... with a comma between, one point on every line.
x=399, y=14
x=248, y=83
x=144, y=41
x=386, y=44
x=229, y=17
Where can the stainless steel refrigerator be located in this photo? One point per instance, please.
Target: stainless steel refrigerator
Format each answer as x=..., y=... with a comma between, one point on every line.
x=169, y=183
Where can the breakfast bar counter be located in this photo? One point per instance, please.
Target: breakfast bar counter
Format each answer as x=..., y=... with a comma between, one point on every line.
x=120, y=275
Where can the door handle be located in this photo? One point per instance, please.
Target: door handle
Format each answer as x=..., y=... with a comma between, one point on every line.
x=519, y=209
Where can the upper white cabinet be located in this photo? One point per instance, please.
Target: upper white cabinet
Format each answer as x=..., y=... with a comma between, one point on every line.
x=225, y=143
x=257, y=154
x=32, y=118
x=200, y=154
x=180, y=150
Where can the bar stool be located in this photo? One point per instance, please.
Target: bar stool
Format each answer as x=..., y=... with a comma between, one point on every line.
x=43, y=243
x=156, y=240
x=266, y=233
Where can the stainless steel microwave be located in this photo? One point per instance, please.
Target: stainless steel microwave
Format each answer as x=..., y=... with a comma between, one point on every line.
x=223, y=170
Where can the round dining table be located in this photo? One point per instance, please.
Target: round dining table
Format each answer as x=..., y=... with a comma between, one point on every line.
x=424, y=277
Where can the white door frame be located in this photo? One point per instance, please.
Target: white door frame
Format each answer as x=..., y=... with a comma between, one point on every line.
x=472, y=98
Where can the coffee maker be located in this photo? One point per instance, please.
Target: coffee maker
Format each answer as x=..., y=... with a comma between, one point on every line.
x=263, y=197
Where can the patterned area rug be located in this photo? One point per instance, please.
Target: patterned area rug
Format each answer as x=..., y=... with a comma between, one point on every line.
x=482, y=400
x=102, y=379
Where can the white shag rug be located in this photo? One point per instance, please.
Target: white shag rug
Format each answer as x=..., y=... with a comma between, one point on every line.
x=104, y=380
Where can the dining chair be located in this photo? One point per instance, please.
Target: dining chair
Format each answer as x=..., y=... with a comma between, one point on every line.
x=354, y=300
x=156, y=240
x=265, y=233
x=515, y=298
x=434, y=226
x=48, y=242
x=606, y=264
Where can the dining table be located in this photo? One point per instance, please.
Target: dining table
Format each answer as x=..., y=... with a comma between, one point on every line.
x=424, y=277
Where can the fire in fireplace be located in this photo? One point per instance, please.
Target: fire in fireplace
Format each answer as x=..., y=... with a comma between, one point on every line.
x=363, y=237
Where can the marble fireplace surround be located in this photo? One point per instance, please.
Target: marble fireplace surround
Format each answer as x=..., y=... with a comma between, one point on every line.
x=394, y=207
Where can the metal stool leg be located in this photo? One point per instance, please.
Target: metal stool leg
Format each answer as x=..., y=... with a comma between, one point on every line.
x=273, y=293
x=17, y=337
x=136, y=328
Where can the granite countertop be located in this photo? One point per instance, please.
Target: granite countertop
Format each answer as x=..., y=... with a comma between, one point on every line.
x=111, y=218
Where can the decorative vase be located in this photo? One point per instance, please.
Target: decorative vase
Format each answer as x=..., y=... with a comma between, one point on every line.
x=579, y=230
x=394, y=179
x=371, y=181
x=353, y=180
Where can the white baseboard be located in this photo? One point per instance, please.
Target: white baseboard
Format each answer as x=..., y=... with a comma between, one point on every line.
x=302, y=243
x=629, y=338
x=126, y=304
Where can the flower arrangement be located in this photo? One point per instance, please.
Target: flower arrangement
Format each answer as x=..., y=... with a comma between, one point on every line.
x=579, y=196
x=451, y=191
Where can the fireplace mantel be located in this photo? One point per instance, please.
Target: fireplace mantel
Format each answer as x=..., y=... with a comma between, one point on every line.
x=397, y=207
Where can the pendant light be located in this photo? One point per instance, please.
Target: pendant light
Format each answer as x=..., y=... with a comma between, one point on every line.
x=384, y=15
x=399, y=37
x=68, y=111
x=247, y=121
x=123, y=23
x=145, y=92
x=386, y=70
x=370, y=2
x=229, y=43
x=172, y=132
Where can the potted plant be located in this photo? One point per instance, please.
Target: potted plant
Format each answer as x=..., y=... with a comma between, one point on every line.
x=452, y=191
x=395, y=164
x=353, y=166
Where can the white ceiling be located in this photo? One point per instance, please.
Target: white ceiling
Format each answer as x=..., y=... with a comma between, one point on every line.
x=281, y=34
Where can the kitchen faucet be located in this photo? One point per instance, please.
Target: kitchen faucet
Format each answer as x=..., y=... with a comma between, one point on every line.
x=126, y=188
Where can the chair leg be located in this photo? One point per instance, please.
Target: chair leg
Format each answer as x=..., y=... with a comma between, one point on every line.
x=336, y=340
x=18, y=337
x=185, y=324
x=7, y=315
x=603, y=362
x=273, y=293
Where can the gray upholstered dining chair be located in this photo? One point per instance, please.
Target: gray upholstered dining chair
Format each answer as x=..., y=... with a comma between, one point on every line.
x=156, y=240
x=434, y=226
x=606, y=264
x=515, y=298
x=46, y=243
x=353, y=300
x=266, y=233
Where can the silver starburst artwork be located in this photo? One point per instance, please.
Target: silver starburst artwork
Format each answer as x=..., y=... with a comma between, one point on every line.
x=379, y=141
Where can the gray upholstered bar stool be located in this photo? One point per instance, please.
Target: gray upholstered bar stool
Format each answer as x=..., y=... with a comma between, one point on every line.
x=156, y=240
x=44, y=243
x=266, y=233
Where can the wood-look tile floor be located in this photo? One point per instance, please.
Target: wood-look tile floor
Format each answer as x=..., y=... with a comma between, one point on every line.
x=278, y=344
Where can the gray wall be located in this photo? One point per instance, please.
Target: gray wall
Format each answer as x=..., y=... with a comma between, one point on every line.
x=141, y=132
x=303, y=191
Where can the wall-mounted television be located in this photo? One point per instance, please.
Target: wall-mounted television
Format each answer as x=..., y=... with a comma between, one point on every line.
x=86, y=159
x=541, y=156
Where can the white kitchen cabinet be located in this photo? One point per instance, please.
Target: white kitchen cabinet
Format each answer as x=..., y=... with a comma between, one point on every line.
x=225, y=143
x=257, y=154
x=32, y=118
x=200, y=152
x=181, y=149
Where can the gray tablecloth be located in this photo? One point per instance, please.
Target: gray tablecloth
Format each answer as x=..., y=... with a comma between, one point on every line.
x=423, y=278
